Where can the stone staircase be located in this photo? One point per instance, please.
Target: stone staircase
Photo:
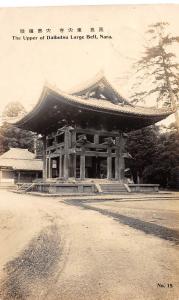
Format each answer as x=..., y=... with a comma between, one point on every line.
x=25, y=187
x=114, y=188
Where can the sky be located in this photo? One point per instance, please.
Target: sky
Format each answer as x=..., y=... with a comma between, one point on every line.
x=26, y=66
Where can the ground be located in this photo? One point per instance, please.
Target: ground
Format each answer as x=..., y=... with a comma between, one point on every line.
x=109, y=248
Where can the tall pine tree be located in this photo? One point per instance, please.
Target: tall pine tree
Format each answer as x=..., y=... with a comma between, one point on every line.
x=158, y=71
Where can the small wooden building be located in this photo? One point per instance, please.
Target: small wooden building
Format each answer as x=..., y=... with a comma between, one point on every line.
x=19, y=166
x=84, y=132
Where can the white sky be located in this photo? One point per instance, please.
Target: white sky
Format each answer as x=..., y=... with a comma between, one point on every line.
x=25, y=66
x=21, y=3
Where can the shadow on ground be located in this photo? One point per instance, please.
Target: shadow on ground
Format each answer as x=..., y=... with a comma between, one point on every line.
x=144, y=226
x=34, y=265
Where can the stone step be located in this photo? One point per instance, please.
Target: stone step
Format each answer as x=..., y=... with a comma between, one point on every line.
x=113, y=188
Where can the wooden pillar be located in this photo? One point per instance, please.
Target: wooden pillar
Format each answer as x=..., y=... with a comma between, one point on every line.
x=46, y=168
x=18, y=176
x=138, y=178
x=82, y=164
x=109, y=164
x=66, y=155
x=121, y=168
x=60, y=166
x=44, y=158
x=73, y=139
x=47, y=164
x=74, y=164
x=96, y=139
x=117, y=165
x=49, y=167
x=73, y=145
x=119, y=159
x=66, y=165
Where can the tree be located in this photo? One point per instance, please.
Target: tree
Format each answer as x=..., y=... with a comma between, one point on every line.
x=13, y=109
x=11, y=136
x=142, y=145
x=157, y=71
x=155, y=155
x=167, y=156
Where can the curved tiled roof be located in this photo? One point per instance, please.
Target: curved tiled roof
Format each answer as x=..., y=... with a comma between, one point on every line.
x=106, y=105
x=99, y=104
x=56, y=104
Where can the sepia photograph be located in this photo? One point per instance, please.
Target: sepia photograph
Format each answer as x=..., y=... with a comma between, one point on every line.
x=89, y=152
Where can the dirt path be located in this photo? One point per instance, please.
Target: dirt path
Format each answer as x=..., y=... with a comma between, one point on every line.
x=57, y=250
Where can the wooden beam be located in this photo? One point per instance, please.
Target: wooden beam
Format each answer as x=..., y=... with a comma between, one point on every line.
x=100, y=146
x=98, y=132
x=54, y=147
x=95, y=153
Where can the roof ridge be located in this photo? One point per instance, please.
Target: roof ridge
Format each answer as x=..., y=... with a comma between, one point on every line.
x=19, y=158
x=17, y=148
x=87, y=83
x=116, y=91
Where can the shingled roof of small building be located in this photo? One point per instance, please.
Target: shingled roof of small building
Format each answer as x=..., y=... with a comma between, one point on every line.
x=20, y=159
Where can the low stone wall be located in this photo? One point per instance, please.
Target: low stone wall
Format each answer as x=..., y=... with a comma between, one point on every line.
x=143, y=188
x=84, y=187
x=63, y=188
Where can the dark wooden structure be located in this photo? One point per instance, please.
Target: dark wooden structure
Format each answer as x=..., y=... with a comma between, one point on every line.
x=84, y=132
x=84, y=153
